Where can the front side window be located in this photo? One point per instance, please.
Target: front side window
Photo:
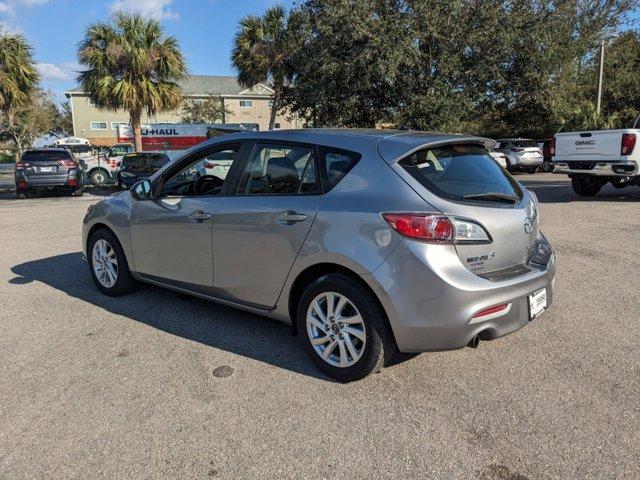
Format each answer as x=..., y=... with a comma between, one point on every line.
x=205, y=175
x=280, y=170
x=462, y=172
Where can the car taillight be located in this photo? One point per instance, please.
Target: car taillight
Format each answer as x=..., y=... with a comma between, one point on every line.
x=552, y=147
x=628, y=143
x=68, y=163
x=72, y=182
x=517, y=149
x=22, y=184
x=22, y=165
x=436, y=228
x=491, y=310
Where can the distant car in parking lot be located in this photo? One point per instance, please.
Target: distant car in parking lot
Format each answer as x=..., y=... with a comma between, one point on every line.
x=522, y=154
x=48, y=169
x=138, y=166
x=366, y=241
x=547, y=147
x=499, y=157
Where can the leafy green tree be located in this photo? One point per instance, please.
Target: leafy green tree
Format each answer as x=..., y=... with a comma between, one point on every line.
x=347, y=64
x=63, y=121
x=18, y=82
x=131, y=64
x=586, y=117
x=262, y=51
x=29, y=122
x=208, y=110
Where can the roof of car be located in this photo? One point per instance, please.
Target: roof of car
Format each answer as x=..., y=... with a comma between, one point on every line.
x=38, y=150
x=391, y=144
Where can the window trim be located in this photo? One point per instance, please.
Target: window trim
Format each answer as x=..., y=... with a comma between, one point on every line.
x=254, y=147
x=106, y=126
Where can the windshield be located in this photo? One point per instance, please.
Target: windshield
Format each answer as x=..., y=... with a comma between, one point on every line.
x=79, y=148
x=460, y=172
x=155, y=161
x=45, y=156
x=525, y=143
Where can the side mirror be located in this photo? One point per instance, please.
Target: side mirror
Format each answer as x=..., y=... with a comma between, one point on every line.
x=141, y=190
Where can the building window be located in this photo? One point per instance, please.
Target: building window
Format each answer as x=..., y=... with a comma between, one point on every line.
x=246, y=103
x=115, y=125
x=276, y=125
x=99, y=126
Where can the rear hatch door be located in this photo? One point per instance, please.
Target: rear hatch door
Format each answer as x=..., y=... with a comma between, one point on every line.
x=463, y=182
x=43, y=163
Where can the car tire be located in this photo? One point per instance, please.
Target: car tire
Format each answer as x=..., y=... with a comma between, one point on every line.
x=22, y=195
x=359, y=346
x=99, y=177
x=534, y=170
x=112, y=279
x=547, y=167
x=585, y=187
x=78, y=192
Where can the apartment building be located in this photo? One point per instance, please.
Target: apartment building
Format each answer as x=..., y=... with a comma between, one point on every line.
x=247, y=105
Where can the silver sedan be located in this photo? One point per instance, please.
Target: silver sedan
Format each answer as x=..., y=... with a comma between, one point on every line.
x=368, y=242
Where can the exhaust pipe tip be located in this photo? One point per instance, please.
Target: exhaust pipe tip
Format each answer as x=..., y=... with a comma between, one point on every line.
x=475, y=341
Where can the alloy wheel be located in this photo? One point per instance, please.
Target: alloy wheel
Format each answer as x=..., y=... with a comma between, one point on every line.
x=105, y=263
x=336, y=329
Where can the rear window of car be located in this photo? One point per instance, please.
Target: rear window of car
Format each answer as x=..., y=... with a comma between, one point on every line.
x=458, y=172
x=525, y=144
x=145, y=160
x=45, y=156
x=335, y=165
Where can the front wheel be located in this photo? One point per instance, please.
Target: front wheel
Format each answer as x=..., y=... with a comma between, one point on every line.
x=585, y=187
x=343, y=328
x=108, y=264
x=547, y=167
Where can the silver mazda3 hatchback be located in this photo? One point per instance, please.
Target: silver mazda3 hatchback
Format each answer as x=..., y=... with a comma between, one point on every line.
x=368, y=242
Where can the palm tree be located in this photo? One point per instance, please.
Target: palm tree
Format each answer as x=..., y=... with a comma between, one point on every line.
x=263, y=49
x=131, y=65
x=18, y=81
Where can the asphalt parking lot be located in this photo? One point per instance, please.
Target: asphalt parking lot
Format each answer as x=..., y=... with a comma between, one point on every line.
x=97, y=387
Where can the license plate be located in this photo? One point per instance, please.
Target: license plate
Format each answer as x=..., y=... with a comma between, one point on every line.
x=537, y=303
x=46, y=169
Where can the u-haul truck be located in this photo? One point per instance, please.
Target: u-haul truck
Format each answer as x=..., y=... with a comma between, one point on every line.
x=175, y=139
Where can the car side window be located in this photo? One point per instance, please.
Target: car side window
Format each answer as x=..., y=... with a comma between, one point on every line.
x=336, y=164
x=205, y=175
x=277, y=169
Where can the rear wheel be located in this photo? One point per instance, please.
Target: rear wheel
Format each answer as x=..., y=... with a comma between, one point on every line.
x=343, y=328
x=533, y=170
x=585, y=186
x=108, y=264
x=99, y=177
x=547, y=167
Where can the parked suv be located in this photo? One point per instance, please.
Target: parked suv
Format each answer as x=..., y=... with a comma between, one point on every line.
x=138, y=166
x=522, y=154
x=47, y=170
x=367, y=242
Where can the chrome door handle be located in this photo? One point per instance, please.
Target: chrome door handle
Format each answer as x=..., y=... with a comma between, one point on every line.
x=200, y=216
x=290, y=217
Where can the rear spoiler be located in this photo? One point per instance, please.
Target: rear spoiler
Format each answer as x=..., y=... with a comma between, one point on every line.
x=396, y=147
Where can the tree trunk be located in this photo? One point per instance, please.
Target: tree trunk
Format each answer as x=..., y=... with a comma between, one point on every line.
x=135, y=117
x=274, y=111
x=17, y=144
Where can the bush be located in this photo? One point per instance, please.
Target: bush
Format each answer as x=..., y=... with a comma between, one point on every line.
x=6, y=158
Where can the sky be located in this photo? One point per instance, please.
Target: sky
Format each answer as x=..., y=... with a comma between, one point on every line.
x=204, y=29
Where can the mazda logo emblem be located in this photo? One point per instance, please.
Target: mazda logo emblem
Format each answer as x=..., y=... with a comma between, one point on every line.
x=528, y=226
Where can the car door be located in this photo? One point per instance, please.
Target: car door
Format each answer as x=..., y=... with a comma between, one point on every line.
x=172, y=234
x=259, y=231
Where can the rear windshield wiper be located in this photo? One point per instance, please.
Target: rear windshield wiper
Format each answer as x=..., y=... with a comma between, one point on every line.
x=492, y=197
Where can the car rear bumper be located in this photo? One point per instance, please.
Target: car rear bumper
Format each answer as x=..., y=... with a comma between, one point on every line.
x=47, y=182
x=528, y=162
x=431, y=298
x=597, y=168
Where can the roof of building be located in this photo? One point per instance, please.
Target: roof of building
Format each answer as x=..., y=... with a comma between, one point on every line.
x=203, y=84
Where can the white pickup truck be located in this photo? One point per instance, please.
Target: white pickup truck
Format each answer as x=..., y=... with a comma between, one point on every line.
x=593, y=159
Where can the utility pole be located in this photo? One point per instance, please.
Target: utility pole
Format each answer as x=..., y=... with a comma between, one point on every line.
x=600, y=78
